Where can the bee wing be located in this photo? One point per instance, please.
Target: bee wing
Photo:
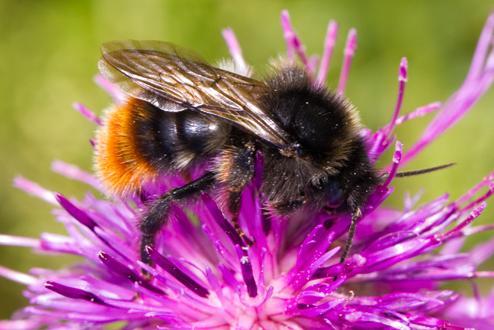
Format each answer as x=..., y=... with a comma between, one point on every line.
x=161, y=73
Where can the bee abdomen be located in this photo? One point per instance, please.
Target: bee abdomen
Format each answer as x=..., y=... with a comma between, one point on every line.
x=174, y=140
x=140, y=141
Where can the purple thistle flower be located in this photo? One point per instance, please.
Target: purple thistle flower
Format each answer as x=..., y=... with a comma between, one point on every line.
x=205, y=277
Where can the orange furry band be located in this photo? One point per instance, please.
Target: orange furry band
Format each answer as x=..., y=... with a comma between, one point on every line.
x=118, y=161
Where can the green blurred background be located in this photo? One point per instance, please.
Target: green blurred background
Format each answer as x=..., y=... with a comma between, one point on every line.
x=49, y=50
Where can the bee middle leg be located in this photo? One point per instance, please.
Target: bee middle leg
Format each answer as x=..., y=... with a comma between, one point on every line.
x=156, y=216
x=236, y=169
x=234, y=208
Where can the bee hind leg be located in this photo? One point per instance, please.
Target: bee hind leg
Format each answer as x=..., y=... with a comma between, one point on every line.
x=156, y=216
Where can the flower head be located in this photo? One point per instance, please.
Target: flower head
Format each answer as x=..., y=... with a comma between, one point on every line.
x=205, y=276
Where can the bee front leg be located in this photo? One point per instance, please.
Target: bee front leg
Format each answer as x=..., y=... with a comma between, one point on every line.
x=356, y=215
x=156, y=216
x=235, y=169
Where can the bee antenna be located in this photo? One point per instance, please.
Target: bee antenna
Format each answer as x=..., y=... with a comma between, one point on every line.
x=423, y=171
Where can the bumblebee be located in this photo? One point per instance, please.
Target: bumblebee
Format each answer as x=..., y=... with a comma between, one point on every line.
x=180, y=112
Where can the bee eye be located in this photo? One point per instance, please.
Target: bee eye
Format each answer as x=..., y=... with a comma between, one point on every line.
x=334, y=193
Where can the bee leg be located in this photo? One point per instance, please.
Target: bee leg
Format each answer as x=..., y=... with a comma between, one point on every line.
x=236, y=169
x=356, y=215
x=234, y=208
x=156, y=217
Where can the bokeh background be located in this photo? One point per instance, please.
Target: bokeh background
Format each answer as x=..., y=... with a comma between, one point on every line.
x=49, y=50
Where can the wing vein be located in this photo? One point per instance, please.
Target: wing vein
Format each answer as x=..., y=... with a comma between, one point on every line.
x=182, y=78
